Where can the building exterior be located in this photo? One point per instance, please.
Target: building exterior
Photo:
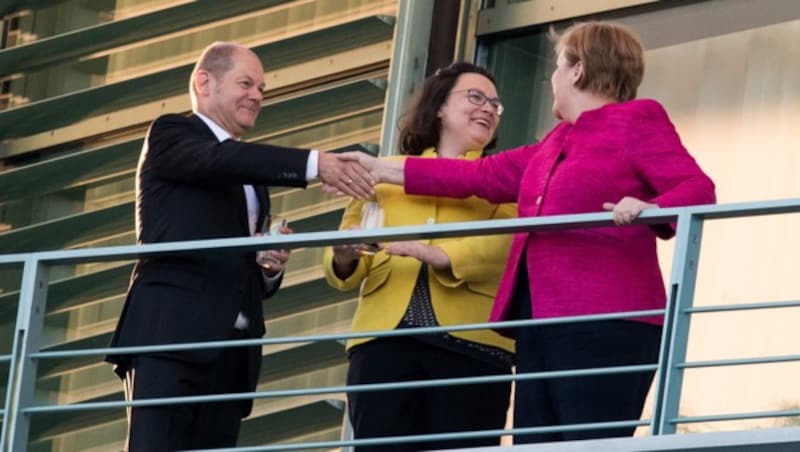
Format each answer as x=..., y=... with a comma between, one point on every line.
x=80, y=80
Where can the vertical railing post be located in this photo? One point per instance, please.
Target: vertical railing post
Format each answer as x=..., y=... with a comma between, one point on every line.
x=347, y=429
x=22, y=370
x=676, y=323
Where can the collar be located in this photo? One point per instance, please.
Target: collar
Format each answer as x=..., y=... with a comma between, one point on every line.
x=218, y=131
x=469, y=155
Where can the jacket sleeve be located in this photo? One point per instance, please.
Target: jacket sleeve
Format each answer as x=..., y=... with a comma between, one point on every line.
x=661, y=160
x=351, y=217
x=495, y=178
x=477, y=259
x=178, y=150
x=271, y=284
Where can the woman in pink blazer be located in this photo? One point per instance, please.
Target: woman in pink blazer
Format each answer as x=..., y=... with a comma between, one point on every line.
x=608, y=152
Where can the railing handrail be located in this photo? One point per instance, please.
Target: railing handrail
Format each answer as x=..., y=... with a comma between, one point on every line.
x=671, y=362
x=328, y=238
x=467, y=228
x=343, y=336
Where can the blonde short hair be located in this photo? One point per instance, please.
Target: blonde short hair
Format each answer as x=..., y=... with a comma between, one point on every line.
x=611, y=54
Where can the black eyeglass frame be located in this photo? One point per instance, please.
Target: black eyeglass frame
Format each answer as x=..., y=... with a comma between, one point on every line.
x=478, y=98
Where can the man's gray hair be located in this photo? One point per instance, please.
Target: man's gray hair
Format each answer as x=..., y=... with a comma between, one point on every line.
x=216, y=59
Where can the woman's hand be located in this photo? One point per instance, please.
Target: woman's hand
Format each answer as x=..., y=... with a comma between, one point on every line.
x=627, y=209
x=345, y=258
x=382, y=170
x=431, y=255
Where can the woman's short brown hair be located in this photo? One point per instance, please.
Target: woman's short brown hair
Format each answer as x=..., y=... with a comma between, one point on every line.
x=420, y=126
x=611, y=54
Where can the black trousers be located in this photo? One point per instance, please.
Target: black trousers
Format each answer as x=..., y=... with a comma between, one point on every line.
x=574, y=400
x=441, y=409
x=185, y=426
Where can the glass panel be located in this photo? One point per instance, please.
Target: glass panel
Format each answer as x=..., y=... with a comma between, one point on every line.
x=522, y=68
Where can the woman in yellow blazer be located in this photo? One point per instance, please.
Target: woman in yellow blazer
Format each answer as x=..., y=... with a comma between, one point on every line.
x=432, y=282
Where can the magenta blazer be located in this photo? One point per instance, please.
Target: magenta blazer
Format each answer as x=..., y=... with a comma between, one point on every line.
x=618, y=150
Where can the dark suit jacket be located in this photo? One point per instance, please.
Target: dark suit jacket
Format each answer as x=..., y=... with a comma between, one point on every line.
x=189, y=187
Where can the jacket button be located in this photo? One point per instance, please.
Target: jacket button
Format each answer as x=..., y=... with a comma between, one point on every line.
x=430, y=221
x=538, y=200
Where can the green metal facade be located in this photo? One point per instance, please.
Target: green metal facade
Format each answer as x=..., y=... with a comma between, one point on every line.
x=82, y=80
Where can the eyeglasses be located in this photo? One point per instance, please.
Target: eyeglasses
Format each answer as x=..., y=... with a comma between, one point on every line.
x=475, y=97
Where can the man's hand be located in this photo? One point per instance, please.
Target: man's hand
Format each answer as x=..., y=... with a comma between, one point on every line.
x=273, y=262
x=431, y=255
x=345, y=175
x=627, y=209
x=388, y=171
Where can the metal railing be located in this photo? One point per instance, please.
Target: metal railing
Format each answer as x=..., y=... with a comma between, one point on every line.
x=26, y=351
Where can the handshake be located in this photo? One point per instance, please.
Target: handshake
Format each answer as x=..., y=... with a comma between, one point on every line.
x=356, y=173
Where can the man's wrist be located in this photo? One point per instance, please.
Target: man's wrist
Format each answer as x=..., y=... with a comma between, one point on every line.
x=312, y=166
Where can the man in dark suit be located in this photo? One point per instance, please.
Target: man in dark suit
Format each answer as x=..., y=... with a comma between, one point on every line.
x=196, y=180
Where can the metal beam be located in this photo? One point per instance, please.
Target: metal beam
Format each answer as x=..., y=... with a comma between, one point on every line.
x=79, y=228
x=510, y=16
x=279, y=370
x=337, y=67
x=467, y=31
x=76, y=290
x=407, y=70
x=74, y=44
x=358, y=111
x=102, y=100
x=705, y=19
x=11, y=6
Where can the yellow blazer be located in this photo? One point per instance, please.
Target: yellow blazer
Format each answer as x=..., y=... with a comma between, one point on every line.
x=463, y=294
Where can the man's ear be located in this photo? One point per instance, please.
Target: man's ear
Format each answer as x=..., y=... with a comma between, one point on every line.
x=202, y=83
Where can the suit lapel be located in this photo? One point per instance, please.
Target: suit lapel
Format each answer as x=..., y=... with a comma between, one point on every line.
x=236, y=192
x=263, y=202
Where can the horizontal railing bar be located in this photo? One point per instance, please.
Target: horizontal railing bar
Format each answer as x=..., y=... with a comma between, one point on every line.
x=441, y=436
x=5, y=358
x=738, y=361
x=743, y=307
x=342, y=336
x=745, y=209
x=318, y=239
x=485, y=227
x=414, y=384
x=735, y=417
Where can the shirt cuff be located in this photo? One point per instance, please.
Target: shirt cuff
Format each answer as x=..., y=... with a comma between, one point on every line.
x=271, y=281
x=312, y=166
